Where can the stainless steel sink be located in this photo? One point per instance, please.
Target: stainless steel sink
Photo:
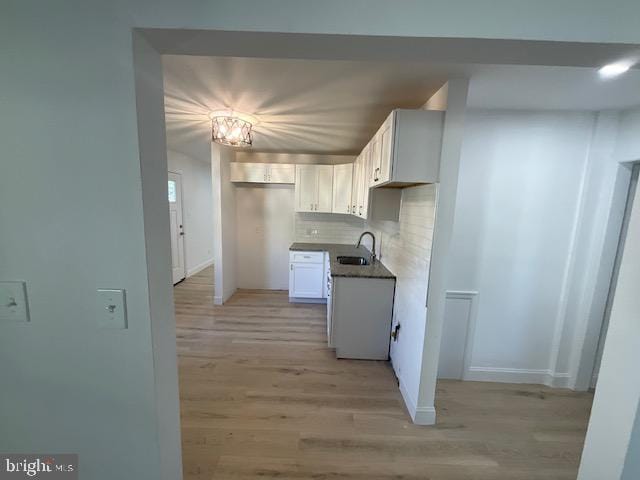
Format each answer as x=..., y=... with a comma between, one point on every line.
x=353, y=260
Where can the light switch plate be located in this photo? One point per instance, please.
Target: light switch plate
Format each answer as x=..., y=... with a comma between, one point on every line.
x=112, y=309
x=14, y=306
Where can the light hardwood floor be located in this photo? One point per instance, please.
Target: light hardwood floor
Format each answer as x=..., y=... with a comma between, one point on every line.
x=263, y=397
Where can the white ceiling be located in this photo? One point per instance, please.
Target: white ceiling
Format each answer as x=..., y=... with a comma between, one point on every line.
x=327, y=106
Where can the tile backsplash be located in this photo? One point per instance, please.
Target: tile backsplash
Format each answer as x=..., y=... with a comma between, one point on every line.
x=405, y=246
x=327, y=228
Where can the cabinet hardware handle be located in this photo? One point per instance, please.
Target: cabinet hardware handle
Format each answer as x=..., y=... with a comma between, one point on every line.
x=292, y=267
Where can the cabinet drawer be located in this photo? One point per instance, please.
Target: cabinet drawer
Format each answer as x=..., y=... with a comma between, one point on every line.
x=306, y=257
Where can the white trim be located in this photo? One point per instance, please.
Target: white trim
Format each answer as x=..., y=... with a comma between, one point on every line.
x=472, y=297
x=200, y=267
x=307, y=300
x=419, y=415
x=518, y=375
x=425, y=416
x=409, y=401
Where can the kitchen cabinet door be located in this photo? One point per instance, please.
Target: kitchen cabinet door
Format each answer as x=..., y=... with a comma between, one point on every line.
x=355, y=185
x=342, y=184
x=306, y=189
x=374, y=161
x=248, y=172
x=363, y=182
x=306, y=280
x=324, y=200
x=386, y=152
x=281, y=173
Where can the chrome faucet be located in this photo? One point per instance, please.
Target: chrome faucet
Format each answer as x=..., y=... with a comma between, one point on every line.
x=373, y=244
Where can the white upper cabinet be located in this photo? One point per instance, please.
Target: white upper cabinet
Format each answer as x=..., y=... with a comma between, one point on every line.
x=263, y=172
x=248, y=172
x=363, y=182
x=281, y=173
x=314, y=188
x=355, y=185
x=325, y=188
x=408, y=149
x=342, y=180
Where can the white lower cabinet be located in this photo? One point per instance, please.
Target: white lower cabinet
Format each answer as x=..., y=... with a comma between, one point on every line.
x=307, y=278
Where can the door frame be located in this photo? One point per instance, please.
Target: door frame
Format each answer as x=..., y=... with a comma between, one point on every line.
x=622, y=236
x=582, y=372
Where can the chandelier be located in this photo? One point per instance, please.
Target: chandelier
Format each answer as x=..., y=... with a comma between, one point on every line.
x=231, y=128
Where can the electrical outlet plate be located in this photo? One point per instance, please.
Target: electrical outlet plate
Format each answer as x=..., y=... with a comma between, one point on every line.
x=14, y=306
x=112, y=309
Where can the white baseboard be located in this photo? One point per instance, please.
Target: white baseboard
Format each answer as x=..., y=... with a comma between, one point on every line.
x=198, y=268
x=419, y=415
x=517, y=375
x=425, y=416
x=307, y=300
x=559, y=380
x=217, y=300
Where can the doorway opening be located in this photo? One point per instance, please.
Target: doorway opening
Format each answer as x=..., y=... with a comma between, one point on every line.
x=633, y=185
x=176, y=226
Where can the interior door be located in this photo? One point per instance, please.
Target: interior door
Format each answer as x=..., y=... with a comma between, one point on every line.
x=175, y=223
x=306, y=188
x=325, y=188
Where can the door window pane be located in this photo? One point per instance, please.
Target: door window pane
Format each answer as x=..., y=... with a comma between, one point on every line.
x=172, y=191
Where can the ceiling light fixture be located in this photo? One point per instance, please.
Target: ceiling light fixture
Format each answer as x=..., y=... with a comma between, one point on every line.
x=614, y=69
x=231, y=128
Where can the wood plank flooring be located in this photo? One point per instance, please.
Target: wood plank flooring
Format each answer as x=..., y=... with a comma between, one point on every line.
x=263, y=397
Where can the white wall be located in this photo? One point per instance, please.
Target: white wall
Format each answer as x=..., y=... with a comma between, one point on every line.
x=628, y=146
x=197, y=205
x=265, y=230
x=518, y=198
x=224, y=223
x=404, y=247
x=539, y=210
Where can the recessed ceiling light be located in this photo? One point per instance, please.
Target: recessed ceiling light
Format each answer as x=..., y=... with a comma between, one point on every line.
x=614, y=69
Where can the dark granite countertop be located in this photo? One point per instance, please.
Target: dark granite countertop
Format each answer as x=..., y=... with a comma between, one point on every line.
x=374, y=270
